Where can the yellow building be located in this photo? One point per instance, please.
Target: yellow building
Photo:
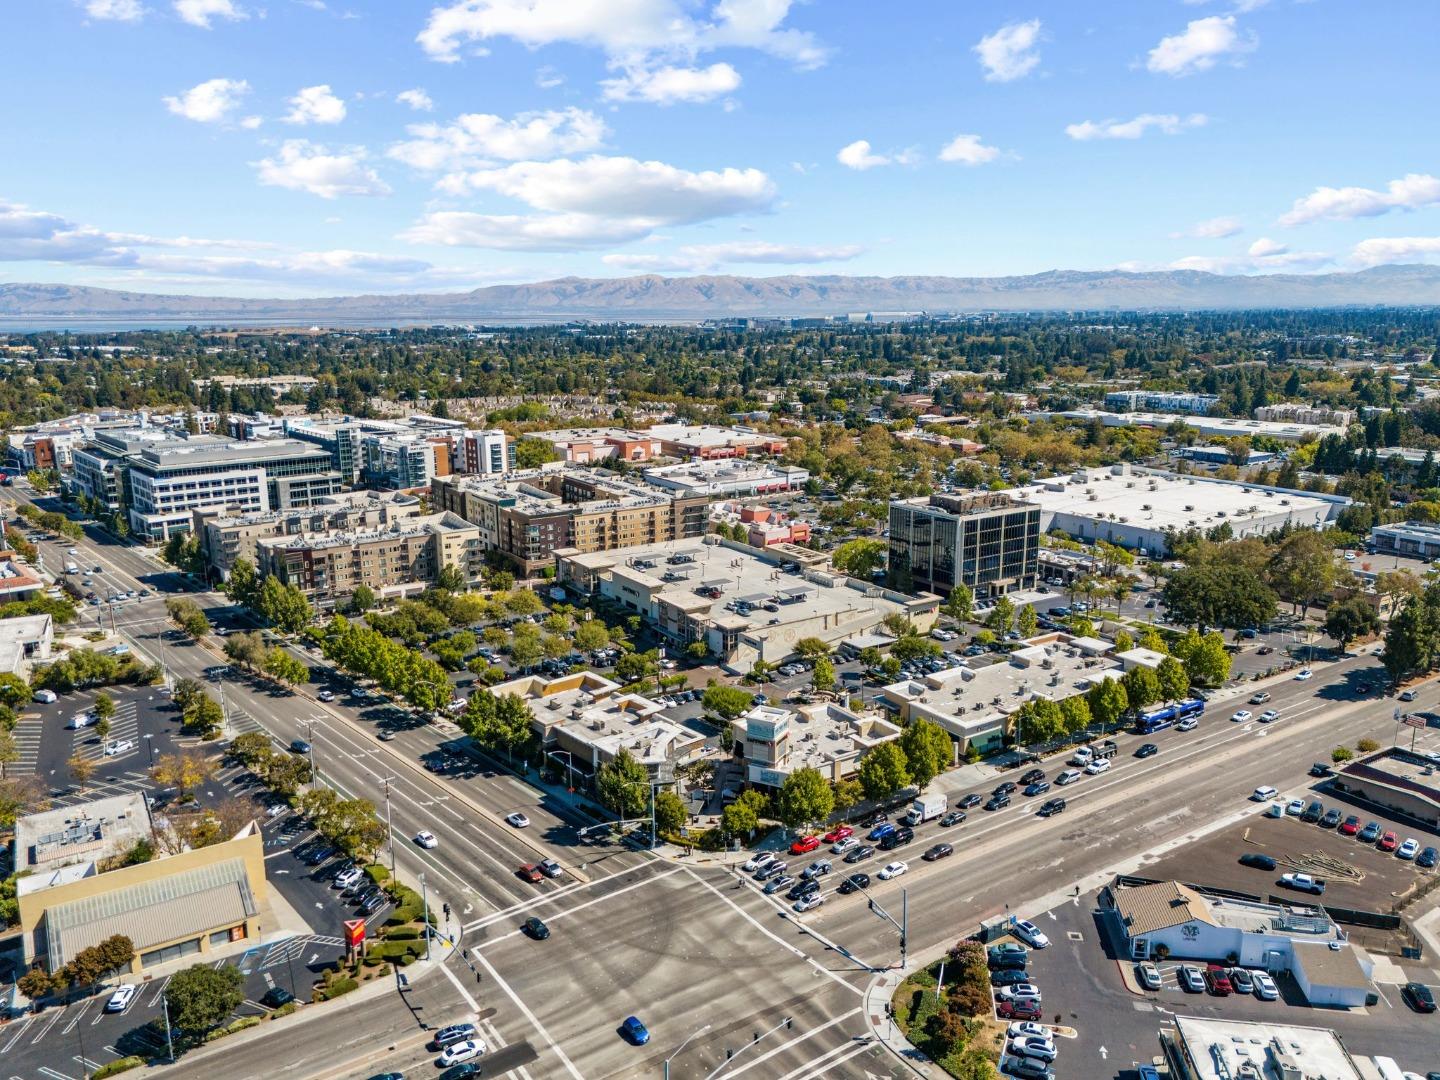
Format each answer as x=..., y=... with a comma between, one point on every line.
x=74, y=893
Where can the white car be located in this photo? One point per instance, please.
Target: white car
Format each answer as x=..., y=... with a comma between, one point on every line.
x=1409, y=849
x=1027, y=1029
x=1303, y=674
x=757, y=861
x=1020, y=992
x=892, y=870
x=119, y=746
x=325, y=695
x=1241, y=715
x=1269, y=716
x=1265, y=988
x=1295, y=807
x=1098, y=766
x=1036, y=1049
x=809, y=903
x=426, y=839
x=455, y=1053
x=517, y=819
x=46, y=697
x=346, y=878
x=1188, y=724
x=1029, y=933
x=1190, y=979
x=121, y=998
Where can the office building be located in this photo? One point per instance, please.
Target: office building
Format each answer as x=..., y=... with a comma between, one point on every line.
x=708, y=442
x=585, y=446
x=1413, y=539
x=1160, y=401
x=1141, y=508
x=743, y=604
x=721, y=478
x=527, y=517
x=988, y=541
x=24, y=640
x=1220, y=427
x=1397, y=781
x=774, y=741
x=403, y=462
x=401, y=558
x=79, y=884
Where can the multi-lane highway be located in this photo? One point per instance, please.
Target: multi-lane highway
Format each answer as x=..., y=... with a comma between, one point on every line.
x=695, y=951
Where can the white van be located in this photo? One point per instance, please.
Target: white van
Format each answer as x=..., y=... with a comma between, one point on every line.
x=1263, y=793
x=45, y=697
x=81, y=720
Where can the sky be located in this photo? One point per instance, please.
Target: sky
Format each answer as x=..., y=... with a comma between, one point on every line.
x=316, y=147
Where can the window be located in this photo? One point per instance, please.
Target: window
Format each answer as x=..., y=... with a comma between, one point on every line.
x=171, y=952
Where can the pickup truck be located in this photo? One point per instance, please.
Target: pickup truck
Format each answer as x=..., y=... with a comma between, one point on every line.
x=1303, y=883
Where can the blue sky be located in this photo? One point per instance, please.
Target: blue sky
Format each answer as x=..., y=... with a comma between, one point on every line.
x=302, y=147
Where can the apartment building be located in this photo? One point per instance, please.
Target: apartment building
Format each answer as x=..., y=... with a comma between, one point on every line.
x=225, y=536
x=528, y=516
x=1292, y=412
x=403, y=462
x=406, y=557
x=484, y=453
x=1160, y=401
x=989, y=542
x=725, y=478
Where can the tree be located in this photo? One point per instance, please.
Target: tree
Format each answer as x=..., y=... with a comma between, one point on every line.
x=670, y=812
x=804, y=799
x=1228, y=594
x=102, y=728
x=286, y=669
x=287, y=773
x=622, y=784
x=1075, y=714
x=81, y=768
x=727, y=701
x=742, y=817
x=1173, y=679
x=1151, y=639
x=251, y=749
x=450, y=579
x=1397, y=586
x=186, y=692
x=1303, y=569
x=823, y=676
x=591, y=635
x=104, y=706
x=204, y=717
x=21, y=795
x=812, y=648
x=526, y=652
x=9, y=752
x=184, y=771
x=1350, y=619
x=859, y=558
x=1206, y=659
x=1410, y=640
x=523, y=602
x=283, y=606
x=928, y=750
x=1002, y=616
x=634, y=666
x=14, y=691
x=36, y=983
x=362, y=599
x=1107, y=701
x=186, y=614
x=848, y=793
x=960, y=603
x=202, y=997
x=1026, y=621
x=883, y=771
x=242, y=586
x=1142, y=687
x=914, y=647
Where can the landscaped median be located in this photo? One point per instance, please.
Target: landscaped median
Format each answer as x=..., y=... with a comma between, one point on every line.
x=399, y=942
x=955, y=1028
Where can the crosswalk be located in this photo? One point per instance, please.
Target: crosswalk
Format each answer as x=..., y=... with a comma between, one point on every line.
x=125, y=783
x=124, y=729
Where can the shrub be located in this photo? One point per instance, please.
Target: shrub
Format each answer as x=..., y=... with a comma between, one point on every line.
x=377, y=874
x=119, y=1065
x=232, y=1027
x=284, y=1010
x=403, y=933
x=1367, y=746
x=1341, y=753
x=338, y=987
x=404, y=961
x=402, y=916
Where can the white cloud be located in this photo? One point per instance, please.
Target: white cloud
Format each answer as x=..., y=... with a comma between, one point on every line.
x=1397, y=249
x=1167, y=123
x=632, y=32
x=860, y=155
x=968, y=150
x=1410, y=192
x=547, y=78
x=1267, y=259
x=1199, y=46
x=35, y=235
x=1265, y=248
x=200, y=12
x=700, y=257
x=1240, y=7
x=1009, y=53
x=417, y=99
x=250, y=123
x=116, y=10
x=315, y=105
x=667, y=85
x=523, y=232
x=476, y=140
x=209, y=102
x=1217, y=228
x=303, y=166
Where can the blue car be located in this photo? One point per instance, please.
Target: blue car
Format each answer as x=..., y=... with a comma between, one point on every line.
x=635, y=1031
x=881, y=831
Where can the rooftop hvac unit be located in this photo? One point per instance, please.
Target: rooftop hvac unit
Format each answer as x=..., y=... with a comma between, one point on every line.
x=1284, y=502
x=554, y=704
x=1144, y=506
x=1094, y=498
x=1189, y=508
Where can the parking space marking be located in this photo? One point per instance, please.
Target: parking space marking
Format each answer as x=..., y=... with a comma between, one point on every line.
x=78, y=1017
x=16, y=1037
x=55, y=1075
x=160, y=991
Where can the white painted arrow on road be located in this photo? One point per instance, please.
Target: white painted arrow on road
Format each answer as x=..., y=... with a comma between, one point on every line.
x=1104, y=1053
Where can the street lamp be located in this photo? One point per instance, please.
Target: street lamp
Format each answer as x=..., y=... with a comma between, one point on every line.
x=682, y=1046
x=389, y=831
x=150, y=742
x=569, y=768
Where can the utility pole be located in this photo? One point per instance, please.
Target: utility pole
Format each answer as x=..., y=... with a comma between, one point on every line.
x=902, y=927
x=315, y=755
x=425, y=900
x=169, y=1038
x=389, y=831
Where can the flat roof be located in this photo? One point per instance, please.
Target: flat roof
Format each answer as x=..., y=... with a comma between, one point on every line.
x=1404, y=770
x=1206, y=425
x=1217, y=1049
x=53, y=841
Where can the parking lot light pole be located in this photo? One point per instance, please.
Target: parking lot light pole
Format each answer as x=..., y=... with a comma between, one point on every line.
x=681, y=1047
x=389, y=831
x=150, y=742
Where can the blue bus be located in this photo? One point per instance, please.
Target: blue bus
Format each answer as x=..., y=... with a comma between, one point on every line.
x=1164, y=716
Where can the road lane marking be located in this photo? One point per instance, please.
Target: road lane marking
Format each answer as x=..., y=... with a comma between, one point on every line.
x=795, y=1041
x=581, y=907
x=530, y=1016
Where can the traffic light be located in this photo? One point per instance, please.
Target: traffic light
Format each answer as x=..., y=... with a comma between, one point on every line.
x=789, y=1023
x=447, y=911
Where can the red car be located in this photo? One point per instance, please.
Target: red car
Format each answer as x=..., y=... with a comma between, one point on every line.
x=835, y=835
x=1388, y=842
x=805, y=845
x=1350, y=826
x=1018, y=1010
x=531, y=873
x=1217, y=981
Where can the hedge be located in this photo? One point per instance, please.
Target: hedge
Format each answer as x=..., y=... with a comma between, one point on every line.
x=284, y=1010
x=377, y=874
x=338, y=987
x=393, y=950
x=232, y=1027
x=119, y=1065
x=403, y=933
x=402, y=916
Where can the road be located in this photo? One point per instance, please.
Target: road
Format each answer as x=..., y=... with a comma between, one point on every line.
x=691, y=949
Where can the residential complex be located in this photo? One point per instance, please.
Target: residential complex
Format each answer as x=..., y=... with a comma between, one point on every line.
x=1160, y=401
x=989, y=542
x=527, y=517
x=704, y=441
x=727, y=478
x=1295, y=413
x=585, y=446
x=743, y=604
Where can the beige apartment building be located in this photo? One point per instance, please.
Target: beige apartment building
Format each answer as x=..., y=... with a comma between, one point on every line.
x=404, y=558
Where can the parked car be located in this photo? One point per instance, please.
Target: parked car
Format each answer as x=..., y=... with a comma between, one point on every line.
x=1242, y=982
x=1388, y=842
x=1020, y=992
x=1029, y=933
x=1265, y=988
x=1257, y=862
x=1191, y=981
x=1018, y=1009
x=121, y=997
x=1369, y=834
x=1331, y=819
x=1303, y=883
x=1313, y=812
x=1217, y=981
x=276, y=997
x=1427, y=858
x=1036, y=1049
x=1417, y=995
x=1147, y=975
x=1350, y=826
x=1408, y=849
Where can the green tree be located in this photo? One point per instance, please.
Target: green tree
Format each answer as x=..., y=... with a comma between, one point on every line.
x=742, y=817
x=823, y=675
x=362, y=599
x=286, y=669
x=450, y=579
x=202, y=997
x=727, y=701
x=1108, y=702
x=670, y=812
x=1075, y=714
x=14, y=691
x=1026, y=621
x=104, y=707
x=812, y=648
x=1002, y=616
x=1206, y=659
x=591, y=635
x=526, y=651
x=884, y=771
x=1174, y=680
x=960, y=603
x=81, y=769
x=635, y=666
x=1350, y=619
x=102, y=728
x=928, y=750
x=284, y=606
x=622, y=784
x=804, y=799
x=247, y=650
x=1410, y=640
x=1151, y=639
x=859, y=558
x=1303, y=569
x=1142, y=687
x=1228, y=594
x=251, y=749
x=243, y=586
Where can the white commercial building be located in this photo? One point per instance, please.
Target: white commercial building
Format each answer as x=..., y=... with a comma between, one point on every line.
x=1216, y=1049
x=1208, y=426
x=777, y=741
x=1161, y=401
x=1136, y=508
x=722, y=478
x=1292, y=412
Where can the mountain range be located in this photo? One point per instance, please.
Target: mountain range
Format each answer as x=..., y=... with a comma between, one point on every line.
x=679, y=299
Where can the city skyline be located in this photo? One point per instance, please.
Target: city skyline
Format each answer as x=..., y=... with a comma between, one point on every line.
x=222, y=147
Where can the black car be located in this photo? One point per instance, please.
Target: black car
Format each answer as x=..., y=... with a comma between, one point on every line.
x=1418, y=997
x=1321, y=769
x=276, y=996
x=319, y=855
x=1427, y=858
x=1257, y=862
x=970, y=800
x=1331, y=819
x=997, y=801
x=1006, y=788
x=954, y=817
x=467, y=1070
x=1145, y=750
x=1007, y=961
x=1008, y=977
x=1039, y=787
x=854, y=883
x=1313, y=813
x=859, y=854
x=802, y=888
x=536, y=929
x=939, y=851
x=374, y=904
x=299, y=746
x=897, y=838
x=1051, y=807
x=1034, y=776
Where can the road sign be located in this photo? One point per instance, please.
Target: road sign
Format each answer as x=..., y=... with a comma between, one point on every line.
x=1411, y=720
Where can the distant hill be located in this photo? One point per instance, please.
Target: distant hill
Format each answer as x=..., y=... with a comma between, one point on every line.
x=651, y=297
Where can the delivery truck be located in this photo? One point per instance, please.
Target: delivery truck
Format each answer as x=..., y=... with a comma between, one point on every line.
x=926, y=808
